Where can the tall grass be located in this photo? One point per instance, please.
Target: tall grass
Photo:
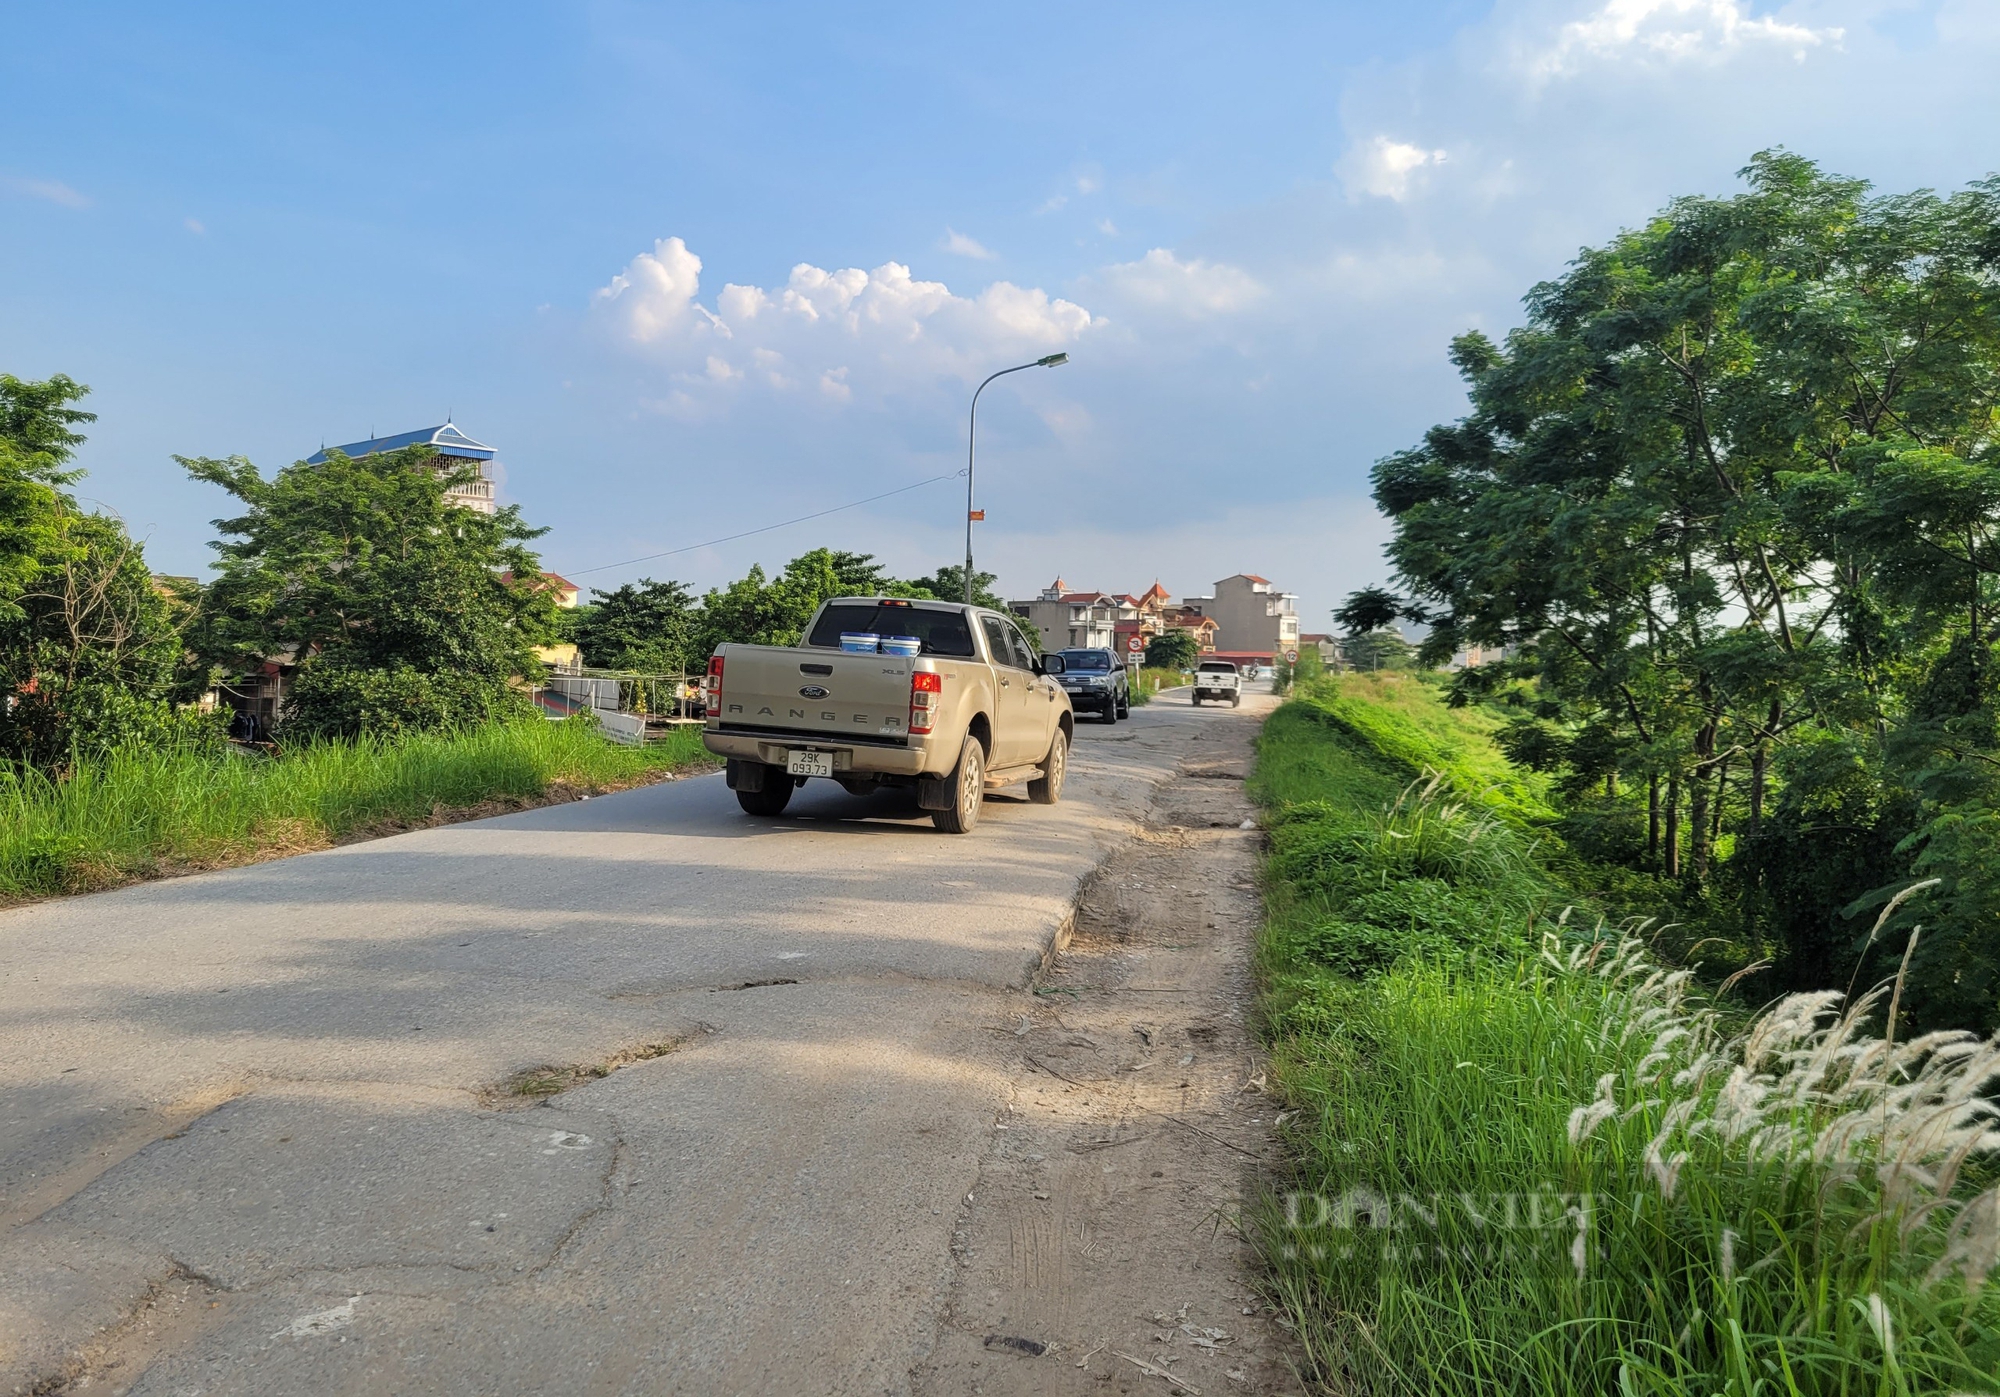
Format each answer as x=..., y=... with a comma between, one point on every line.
x=1146, y=682
x=1399, y=729
x=140, y=813
x=1532, y=1161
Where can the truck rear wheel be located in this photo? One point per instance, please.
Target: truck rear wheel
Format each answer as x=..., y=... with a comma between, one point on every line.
x=772, y=797
x=1046, y=789
x=968, y=789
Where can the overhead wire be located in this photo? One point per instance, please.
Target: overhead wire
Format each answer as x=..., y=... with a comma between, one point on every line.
x=768, y=528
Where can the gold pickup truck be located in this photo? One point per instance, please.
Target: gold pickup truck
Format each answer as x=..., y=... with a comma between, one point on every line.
x=952, y=700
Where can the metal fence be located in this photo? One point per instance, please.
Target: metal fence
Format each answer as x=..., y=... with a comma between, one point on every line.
x=631, y=707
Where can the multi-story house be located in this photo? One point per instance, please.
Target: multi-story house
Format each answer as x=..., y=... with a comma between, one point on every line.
x=451, y=450
x=1252, y=618
x=1066, y=620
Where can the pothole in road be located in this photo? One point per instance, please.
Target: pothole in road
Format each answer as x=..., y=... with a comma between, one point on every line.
x=534, y=1084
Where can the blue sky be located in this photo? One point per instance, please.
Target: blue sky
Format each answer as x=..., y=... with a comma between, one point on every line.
x=694, y=269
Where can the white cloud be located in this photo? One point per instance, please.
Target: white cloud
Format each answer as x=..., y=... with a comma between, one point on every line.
x=1053, y=203
x=844, y=330
x=1386, y=168
x=53, y=190
x=655, y=293
x=1671, y=31
x=1193, y=288
x=959, y=243
x=195, y=226
x=1088, y=183
x=1107, y=227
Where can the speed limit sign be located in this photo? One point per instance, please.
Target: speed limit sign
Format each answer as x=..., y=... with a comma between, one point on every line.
x=1291, y=657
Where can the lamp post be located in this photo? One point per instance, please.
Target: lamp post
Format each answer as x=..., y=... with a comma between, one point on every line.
x=1047, y=361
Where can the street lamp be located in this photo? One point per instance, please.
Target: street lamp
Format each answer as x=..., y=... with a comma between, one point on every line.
x=1047, y=361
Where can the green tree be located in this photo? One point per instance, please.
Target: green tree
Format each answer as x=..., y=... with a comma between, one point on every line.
x=1734, y=487
x=1370, y=609
x=948, y=584
x=647, y=625
x=89, y=647
x=1172, y=650
x=391, y=597
x=760, y=610
x=1383, y=649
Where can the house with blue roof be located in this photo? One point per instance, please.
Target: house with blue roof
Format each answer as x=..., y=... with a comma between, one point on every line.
x=451, y=449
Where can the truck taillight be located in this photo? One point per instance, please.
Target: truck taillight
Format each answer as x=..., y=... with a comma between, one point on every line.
x=924, y=692
x=712, y=700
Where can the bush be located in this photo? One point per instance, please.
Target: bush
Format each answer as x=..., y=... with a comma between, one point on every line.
x=332, y=699
x=1172, y=650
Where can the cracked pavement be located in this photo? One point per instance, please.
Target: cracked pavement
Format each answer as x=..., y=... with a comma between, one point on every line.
x=255, y=1135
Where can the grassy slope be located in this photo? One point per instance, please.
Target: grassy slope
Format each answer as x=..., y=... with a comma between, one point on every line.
x=1427, y=1056
x=144, y=814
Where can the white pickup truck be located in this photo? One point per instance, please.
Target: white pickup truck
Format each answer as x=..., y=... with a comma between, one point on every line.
x=948, y=699
x=1217, y=681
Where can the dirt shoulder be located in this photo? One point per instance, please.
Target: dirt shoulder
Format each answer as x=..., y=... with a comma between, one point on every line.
x=1099, y=1250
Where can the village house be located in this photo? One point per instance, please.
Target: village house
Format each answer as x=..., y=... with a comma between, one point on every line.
x=451, y=449
x=1330, y=654
x=565, y=656
x=1254, y=622
x=1066, y=620
x=1144, y=619
x=1189, y=618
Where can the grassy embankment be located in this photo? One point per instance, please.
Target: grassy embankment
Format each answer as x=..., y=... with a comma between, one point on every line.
x=149, y=813
x=1147, y=682
x=1530, y=1161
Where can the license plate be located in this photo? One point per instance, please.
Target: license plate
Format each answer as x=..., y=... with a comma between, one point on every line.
x=809, y=763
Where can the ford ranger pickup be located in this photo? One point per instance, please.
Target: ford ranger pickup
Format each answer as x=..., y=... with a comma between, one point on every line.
x=948, y=699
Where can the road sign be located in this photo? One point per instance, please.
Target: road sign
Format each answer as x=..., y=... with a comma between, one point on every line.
x=1291, y=657
x=1135, y=644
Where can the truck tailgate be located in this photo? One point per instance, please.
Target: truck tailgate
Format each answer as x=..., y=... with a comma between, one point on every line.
x=822, y=695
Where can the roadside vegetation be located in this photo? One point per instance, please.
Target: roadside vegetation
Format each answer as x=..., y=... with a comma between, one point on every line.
x=141, y=812
x=1532, y=1157
x=1730, y=499
x=406, y=628
x=1148, y=680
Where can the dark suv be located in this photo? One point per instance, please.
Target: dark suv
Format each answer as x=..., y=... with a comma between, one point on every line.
x=1096, y=683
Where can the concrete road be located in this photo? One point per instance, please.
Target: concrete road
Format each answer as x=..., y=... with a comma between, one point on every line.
x=256, y=1133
